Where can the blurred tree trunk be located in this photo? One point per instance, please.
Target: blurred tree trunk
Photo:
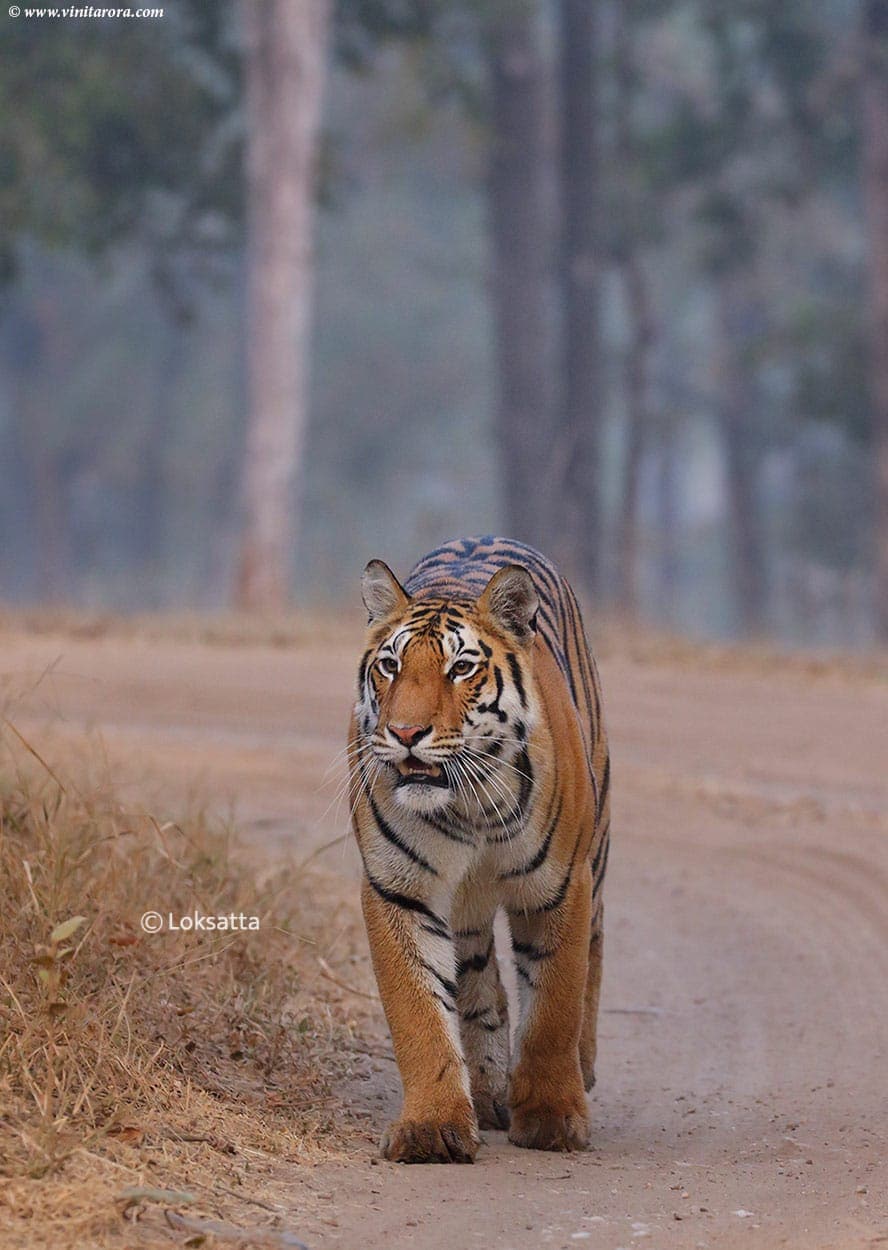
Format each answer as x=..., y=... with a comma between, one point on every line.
x=519, y=237
x=579, y=436
x=738, y=315
x=285, y=57
x=47, y=481
x=150, y=502
x=38, y=342
x=875, y=191
x=637, y=370
x=638, y=306
x=667, y=513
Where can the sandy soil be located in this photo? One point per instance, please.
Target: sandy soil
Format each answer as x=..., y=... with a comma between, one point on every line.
x=743, y=1071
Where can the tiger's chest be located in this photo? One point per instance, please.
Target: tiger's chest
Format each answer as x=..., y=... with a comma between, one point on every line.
x=506, y=852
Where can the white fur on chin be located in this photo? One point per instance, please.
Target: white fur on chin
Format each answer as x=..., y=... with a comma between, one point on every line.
x=420, y=798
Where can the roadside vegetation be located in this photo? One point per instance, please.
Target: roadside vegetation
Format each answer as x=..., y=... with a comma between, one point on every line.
x=149, y=1082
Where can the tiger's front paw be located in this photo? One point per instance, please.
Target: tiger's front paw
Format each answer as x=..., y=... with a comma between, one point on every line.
x=430, y=1141
x=542, y=1128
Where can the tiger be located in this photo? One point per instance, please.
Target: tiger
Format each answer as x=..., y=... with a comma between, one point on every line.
x=479, y=777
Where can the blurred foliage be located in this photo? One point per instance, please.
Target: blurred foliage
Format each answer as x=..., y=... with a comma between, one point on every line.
x=121, y=210
x=361, y=25
x=115, y=129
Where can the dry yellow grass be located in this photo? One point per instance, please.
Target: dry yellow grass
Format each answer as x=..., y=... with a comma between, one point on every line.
x=175, y=1061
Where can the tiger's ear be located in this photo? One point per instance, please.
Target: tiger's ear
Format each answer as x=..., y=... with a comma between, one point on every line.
x=511, y=599
x=381, y=591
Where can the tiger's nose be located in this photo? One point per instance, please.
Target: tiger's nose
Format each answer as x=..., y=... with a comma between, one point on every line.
x=409, y=735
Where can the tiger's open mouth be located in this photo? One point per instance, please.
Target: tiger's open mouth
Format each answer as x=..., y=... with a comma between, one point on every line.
x=412, y=771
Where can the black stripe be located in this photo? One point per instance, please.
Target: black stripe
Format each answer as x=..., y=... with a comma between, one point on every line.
x=526, y=786
x=474, y=963
x=512, y=551
x=490, y=1026
x=581, y=650
x=444, y=982
x=596, y=681
x=558, y=897
x=605, y=783
x=599, y=882
x=435, y=931
x=494, y=704
x=404, y=901
x=602, y=850
x=561, y=892
x=445, y=830
x=515, y=669
x=389, y=834
x=530, y=951
x=541, y=853
x=517, y=816
x=547, y=612
x=568, y=669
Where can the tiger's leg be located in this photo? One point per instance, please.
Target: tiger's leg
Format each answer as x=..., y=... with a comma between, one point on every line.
x=546, y=1096
x=589, y=1034
x=415, y=968
x=484, y=1016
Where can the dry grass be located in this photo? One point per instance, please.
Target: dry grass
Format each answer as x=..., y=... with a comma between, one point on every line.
x=179, y=1061
x=229, y=629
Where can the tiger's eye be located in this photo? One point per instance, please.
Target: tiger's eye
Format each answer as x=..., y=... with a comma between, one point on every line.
x=461, y=668
x=388, y=666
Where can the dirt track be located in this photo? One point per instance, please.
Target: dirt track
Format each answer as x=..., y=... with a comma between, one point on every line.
x=743, y=1071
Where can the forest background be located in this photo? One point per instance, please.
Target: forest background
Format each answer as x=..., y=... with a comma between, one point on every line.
x=292, y=285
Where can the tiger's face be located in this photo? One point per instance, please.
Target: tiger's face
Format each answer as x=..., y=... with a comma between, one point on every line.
x=444, y=688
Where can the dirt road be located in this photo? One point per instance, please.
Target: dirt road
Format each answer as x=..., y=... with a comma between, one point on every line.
x=743, y=1071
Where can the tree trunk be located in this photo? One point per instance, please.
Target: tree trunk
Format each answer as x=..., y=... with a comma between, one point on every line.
x=638, y=307
x=519, y=239
x=875, y=192
x=579, y=440
x=285, y=58
x=668, y=565
x=40, y=344
x=637, y=369
x=742, y=454
x=150, y=502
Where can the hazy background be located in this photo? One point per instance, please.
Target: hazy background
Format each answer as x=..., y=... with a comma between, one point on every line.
x=730, y=391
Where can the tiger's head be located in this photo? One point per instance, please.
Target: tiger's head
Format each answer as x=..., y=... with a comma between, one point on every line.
x=445, y=694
